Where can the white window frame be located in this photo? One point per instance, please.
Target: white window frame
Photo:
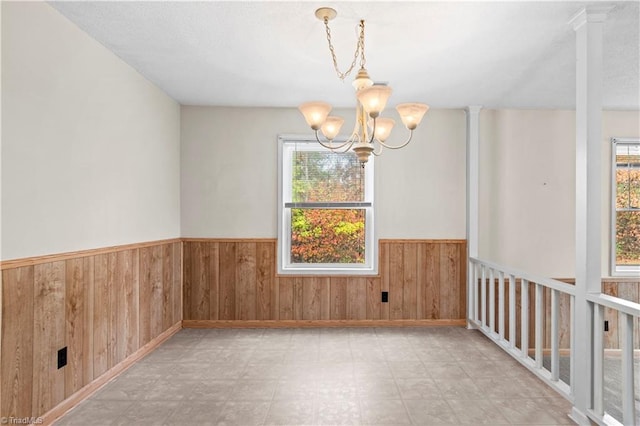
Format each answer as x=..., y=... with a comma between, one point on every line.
x=618, y=270
x=287, y=145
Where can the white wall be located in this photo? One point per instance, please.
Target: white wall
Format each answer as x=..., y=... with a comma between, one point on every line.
x=229, y=174
x=90, y=149
x=527, y=187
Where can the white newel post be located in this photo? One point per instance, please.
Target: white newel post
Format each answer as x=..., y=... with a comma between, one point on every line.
x=588, y=25
x=473, y=179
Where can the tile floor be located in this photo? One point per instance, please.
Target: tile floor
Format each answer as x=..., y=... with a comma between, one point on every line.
x=338, y=376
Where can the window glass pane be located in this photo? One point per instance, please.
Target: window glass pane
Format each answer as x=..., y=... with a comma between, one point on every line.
x=627, y=176
x=327, y=235
x=320, y=176
x=627, y=205
x=628, y=238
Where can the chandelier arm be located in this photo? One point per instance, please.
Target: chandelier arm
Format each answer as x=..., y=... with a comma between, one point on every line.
x=331, y=147
x=380, y=148
x=398, y=146
x=341, y=150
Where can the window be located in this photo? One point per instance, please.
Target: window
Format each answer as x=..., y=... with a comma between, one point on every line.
x=326, y=210
x=625, y=214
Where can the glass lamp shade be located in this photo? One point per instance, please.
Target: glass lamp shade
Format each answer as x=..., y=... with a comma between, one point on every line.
x=383, y=128
x=315, y=113
x=331, y=127
x=411, y=114
x=374, y=99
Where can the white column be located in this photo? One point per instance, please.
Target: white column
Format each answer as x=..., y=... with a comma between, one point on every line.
x=473, y=182
x=588, y=25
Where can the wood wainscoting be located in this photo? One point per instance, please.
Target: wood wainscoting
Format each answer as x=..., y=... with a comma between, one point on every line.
x=106, y=306
x=235, y=280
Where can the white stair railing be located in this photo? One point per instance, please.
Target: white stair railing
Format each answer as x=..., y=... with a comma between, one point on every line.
x=483, y=280
x=485, y=275
x=628, y=312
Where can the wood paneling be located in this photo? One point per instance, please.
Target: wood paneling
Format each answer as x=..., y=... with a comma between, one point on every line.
x=338, y=298
x=396, y=280
x=227, y=274
x=112, y=314
x=357, y=299
x=17, y=341
x=176, y=268
x=198, y=280
x=48, y=335
x=78, y=323
x=246, y=281
x=374, y=298
x=237, y=281
x=430, y=274
x=315, y=298
x=156, y=298
x=101, y=308
x=104, y=306
x=383, y=270
x=265, y=281
x=167, y=289
x=409, y=282
x=286, y=297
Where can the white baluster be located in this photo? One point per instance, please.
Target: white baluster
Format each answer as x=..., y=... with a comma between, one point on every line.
x=492, y=301
x=512, y=311
x=483, y=302
x=524, y=317
x=628, y=407
x=501, y=304
x=538, y=326
x=471, y=294
x=555, y=344
x=572, y=369
x=598, y=361
x=476, y=300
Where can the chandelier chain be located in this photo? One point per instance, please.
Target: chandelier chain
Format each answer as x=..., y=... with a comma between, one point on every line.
x=359, y=51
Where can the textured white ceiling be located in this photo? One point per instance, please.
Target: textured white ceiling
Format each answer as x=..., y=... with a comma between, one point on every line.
x=446, y=54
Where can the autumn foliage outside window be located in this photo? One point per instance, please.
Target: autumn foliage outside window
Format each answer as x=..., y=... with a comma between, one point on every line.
x=627, y=204
x=320, y=232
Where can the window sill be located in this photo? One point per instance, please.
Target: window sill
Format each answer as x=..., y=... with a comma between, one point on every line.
x=326, y=272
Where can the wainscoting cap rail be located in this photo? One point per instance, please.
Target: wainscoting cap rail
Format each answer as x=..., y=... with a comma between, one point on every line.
x=36, y=260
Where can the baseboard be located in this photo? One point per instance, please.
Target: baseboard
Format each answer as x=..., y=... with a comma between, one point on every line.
x=61, y=409
x=319, y=323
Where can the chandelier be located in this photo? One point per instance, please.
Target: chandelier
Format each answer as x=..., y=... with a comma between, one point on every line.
x=371, y=130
